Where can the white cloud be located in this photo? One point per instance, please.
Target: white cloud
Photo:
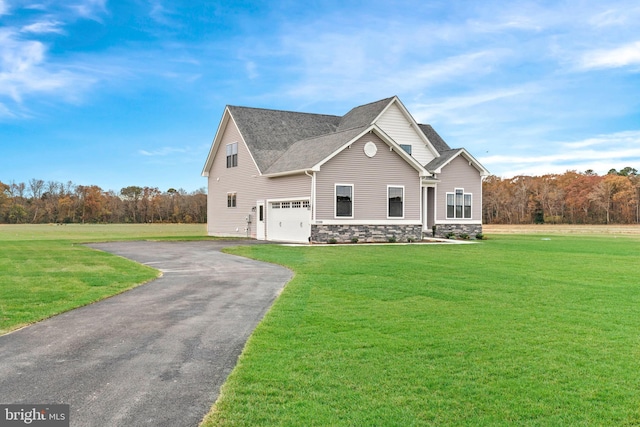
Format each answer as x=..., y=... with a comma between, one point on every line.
x=4, y=7
x=628, y=54
x=615, y=150
x=164, y=151
x=24, y=70
x=43, y=27
x=454, y=108
x=89, y=9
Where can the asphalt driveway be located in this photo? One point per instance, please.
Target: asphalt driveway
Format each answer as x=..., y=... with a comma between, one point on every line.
x=156, y=355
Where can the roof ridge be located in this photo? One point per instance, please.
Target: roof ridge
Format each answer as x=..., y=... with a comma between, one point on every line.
x=282, y=111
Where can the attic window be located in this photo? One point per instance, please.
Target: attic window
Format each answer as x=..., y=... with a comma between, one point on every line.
x=232, y=155
x=406, y=147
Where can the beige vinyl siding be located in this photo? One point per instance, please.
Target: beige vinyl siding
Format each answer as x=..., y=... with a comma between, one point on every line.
x=249, y=186
x=370, y=178
x=292, y=186
x=459, y=174
x=395, y=124
x=224, y=221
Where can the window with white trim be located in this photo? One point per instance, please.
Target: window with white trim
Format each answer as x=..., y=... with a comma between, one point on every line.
x=275, y=205
x=395, y=202
x=285, y=205
x=296, y=204
x=459, y=204
x=344, y=200
x=231, y=200
x=232, y=155
x=406, y=147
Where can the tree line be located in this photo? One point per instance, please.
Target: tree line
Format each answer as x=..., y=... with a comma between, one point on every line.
x=40, y=202
x=569, y=198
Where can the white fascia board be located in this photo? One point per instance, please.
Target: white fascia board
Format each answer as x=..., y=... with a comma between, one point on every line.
x=226, y=117
x=386, y=139
x=287, y=173
x=317, y=166
x=216, y=141
x=472, y=162
x=361, y=222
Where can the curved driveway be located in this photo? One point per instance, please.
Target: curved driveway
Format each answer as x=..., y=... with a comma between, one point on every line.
x=156, y=355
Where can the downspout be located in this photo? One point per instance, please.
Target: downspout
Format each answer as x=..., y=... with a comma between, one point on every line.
x=313, y=195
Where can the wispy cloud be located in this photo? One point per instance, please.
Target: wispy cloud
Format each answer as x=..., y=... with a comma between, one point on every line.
x=622, y=56
x=43, y=27
x=89, y=9
x=161, y=152
x=599, y=153
x=24, y=70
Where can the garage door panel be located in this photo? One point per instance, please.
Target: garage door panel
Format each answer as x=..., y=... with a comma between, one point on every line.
x=289, y=221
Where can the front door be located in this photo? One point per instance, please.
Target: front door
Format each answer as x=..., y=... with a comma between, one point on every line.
x=260, y=228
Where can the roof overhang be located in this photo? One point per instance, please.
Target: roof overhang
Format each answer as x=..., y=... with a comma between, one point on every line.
x=217, y=140
x=468, y=157
x=412, y=123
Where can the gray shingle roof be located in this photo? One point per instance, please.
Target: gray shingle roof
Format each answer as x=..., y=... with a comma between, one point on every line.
x=309, y=152
x=435, y=139
x=283, y=141
x=269, y=133
x=445, y=156
x=363, y=115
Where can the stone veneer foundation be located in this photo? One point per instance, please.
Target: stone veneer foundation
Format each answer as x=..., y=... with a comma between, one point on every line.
x=365, y=233
x=382, y=233
x=469, y=229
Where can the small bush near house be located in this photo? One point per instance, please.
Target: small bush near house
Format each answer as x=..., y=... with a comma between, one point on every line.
x=450, y=235
x=332, y=241
x=480, y=236
x=354, y=240
x=463, y=236
x=392, y=239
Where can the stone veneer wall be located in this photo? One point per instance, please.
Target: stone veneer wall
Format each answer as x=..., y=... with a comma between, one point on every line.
x=443, y=229
x=365, y=233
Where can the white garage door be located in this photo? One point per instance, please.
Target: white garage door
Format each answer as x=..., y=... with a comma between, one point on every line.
x=289, y=221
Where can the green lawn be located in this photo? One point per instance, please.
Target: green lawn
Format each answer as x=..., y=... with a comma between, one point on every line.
x=516, y=330
x=44, y=270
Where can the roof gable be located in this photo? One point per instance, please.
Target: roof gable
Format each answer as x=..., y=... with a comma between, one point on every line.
x=282, y=142
x=436, y=165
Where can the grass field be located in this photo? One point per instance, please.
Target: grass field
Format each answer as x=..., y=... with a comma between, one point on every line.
x=44, y=270
x=521, y=329
x=527, y=330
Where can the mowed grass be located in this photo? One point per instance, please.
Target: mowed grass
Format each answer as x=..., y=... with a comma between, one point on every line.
x=516, y=330
x=45, y=270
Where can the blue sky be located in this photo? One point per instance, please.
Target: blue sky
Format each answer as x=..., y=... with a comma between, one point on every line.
x=119, y=93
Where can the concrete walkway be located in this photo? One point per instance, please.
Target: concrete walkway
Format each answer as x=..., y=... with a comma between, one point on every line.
x=153, y=356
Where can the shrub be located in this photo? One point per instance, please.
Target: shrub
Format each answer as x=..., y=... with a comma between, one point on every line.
x=480, y=236
x=463, y=236
x=392, y=239
x=354, y=239
x=332, y=241
x=450, y=235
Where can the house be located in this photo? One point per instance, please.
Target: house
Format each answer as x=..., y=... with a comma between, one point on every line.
x=372, y=174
